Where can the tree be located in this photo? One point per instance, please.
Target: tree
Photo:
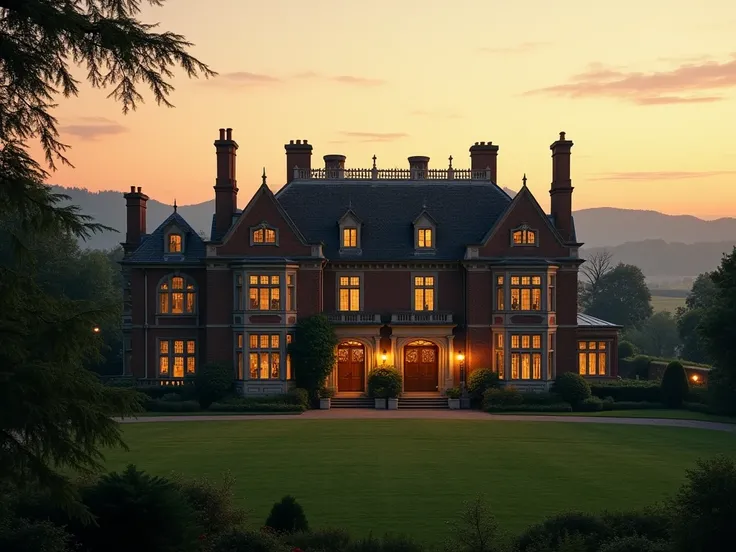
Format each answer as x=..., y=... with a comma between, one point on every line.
x=596, y=267
x=54, y=414
x=699, y=300
x=675, y=386
x=313, y=352
x=656, y=336
x=621, y=296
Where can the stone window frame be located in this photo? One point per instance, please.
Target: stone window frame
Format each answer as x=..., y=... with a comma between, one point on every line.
x=361, y=290
x=248, y=274
x=168, y=280
x=435, y=290
x=606, y=353
x=524, y=227
x=169, y=352
x=530, y=350
x=264, y=226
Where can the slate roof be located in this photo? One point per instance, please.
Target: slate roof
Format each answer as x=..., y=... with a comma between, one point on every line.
x=585, y=320
x=152, y=249
x=463, y=211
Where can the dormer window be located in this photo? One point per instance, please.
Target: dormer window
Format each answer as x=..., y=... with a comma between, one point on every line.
x=524, y=236
x=349, y=238
x=350, y=229
x=175, y=243
x=264, y=235
x=424, y=238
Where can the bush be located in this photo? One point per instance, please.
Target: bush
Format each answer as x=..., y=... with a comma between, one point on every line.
x=313, y=353
x=384, y=383
x=722, y=392
x=453, y=393
x=389, y=543
x=558, y=407
x=475, y=530
x=480, y=381
x=249, y=541
x=634, y=543
x=327, y=540
x=298, y=396
x=675, y=387
x=172, y=397
x=212, y=382
x=626, y=349
x=641, y=366
x=591, y=404
x=572, y=388
x=326, y=392
x=590, y=527
x=633, y=405
x=158, y=391
x=652, y=523
x=254, y=406
x=627, y=390
x=505, y=396
x=287, y=516
x=24, y=535
x=541, y=398
x=159, y=405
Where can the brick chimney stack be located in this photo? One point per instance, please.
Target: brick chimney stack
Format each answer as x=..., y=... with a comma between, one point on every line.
x=298, y=154
x=484, y=156
x=135, y=206
x=561, y=189
x=226, y=186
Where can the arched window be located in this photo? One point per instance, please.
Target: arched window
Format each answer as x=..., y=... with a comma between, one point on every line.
x=263, y=235
x=177, y=295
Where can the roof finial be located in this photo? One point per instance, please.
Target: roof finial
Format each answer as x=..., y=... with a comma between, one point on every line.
x=523, y=180
x=263, y=176
x=374, y=160
x=424, y=203
x=450, y=162
x=175, y=205
x=350, y=203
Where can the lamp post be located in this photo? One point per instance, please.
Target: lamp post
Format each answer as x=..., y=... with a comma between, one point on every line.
x=384, y=357
x=461, y=362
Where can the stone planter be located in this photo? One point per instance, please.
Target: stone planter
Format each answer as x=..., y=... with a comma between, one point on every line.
x=393, y=404
x=454, y=404
x=324, y=404
x=380, y=404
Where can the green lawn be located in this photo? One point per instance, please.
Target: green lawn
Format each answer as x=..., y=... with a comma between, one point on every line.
x=412, y=476
x=669, y=304
x=644, y=413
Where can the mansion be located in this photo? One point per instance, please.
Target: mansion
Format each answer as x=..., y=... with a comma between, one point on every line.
x=437, y=272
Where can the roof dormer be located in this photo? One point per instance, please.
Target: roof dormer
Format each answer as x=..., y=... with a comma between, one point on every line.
x=425, y=234
x=174, y=240
x=350, y=233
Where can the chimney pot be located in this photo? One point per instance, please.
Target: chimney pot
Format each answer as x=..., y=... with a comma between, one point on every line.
x=226, y=185
x=139, y=189
x=298, y=141
x=222, y=134
x=562, y=135
x=482, y=143
x=304, y=141
x=229, y=133
x=132, y=189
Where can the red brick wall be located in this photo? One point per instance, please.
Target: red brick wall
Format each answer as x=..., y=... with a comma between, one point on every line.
x=309, y=296
x=480, y=296
x=479, y=349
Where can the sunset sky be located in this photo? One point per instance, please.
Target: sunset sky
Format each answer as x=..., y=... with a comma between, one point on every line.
x=645, y=89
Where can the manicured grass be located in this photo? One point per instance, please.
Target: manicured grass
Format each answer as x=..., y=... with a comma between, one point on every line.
x=669, y=304
x=208, y=413
x=654, y=413
x=412, y=476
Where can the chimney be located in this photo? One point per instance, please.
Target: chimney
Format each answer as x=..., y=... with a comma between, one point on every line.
x=298, y=155
x=334, y=166
x=135, y=206
x=419, y=164
x=561, y=189
x=484, y=156
x=226, y=186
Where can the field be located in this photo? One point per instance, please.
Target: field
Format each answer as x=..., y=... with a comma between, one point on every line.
x=669, y=304
x=412, y=476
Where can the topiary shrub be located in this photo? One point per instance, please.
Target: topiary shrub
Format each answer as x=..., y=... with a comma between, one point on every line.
x=480, y=381
x=287, y=516
x=384, y=382
x=626, y=349
x=591, y=404
x=505, y=396
x=572, y=388
x=212, y=382
x=313, y=353
x=675, y=387
x=641, y=366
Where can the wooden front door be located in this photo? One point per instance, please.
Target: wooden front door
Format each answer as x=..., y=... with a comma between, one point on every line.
x=421, y=367
x=350, y=366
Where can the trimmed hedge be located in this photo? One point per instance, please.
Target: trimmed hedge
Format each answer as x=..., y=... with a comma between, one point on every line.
x=627, y=390
x=647, y=367
x=232, y=405
x=255, y=407
x=557, y=407
x=572, y=387
x=160, y=405
x=632, y=405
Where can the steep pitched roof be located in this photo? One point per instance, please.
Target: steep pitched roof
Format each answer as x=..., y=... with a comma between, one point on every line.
x=463, y=211
x=587, y=321
x=152, y=249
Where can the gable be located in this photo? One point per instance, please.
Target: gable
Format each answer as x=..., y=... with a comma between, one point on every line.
x=154, y=247
x=523, y=213
x=263, y=212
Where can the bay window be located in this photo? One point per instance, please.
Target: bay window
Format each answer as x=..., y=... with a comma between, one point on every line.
x=176, y=358
x=264, y=356
x=176, y=295
x=264, y=292
x=526, y=356
x=526, y=293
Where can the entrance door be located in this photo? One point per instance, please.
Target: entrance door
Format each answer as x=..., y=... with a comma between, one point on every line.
x=421, y=367
x=350, y=366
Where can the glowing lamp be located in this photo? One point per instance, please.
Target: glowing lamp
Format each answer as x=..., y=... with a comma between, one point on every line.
x=96, y=329
x=460, y=356
x=695, y=378
x=384, y=356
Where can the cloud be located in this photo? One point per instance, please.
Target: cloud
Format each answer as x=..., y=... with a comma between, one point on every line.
x=523, y=48
x=375, y=136
x=91, y=128
x=244, y=78
x=342, y=79
x=685, y=83
x=435, y=113
x=241, y=79
x=660, y=175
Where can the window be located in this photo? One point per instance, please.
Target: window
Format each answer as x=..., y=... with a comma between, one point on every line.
x=424, y=238
x=265, y=356
x=524, y=236
x=526, y=356
x=175, y=243
x=593, y=358
x=239, y=356
x=526, y=293
x=349, y=237
x=264, y=292
x=176, y=295
x=289, y=373
x=176, y=358
x=290, y=292
x=499, y=355
x=423, y=293
x=349, y=293
x=263, y=235
x=500, y=294
x=551, y=296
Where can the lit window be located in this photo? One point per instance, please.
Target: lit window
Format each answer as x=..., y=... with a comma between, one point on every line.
x=526, y=293
x=500, y=294
x=526, y=357
x=524, y=236
x=551, y=296
x=264, y=356
x=424, y=238
x=499, y=355
x=239, y=356
x=175, y=243
x=289, y=372
x=423, y=293
x=264, y=292
x=264, y=236
x=176, y=358
x=177, y=295
x=592, y=358
x=349, y=293
x=349, y=237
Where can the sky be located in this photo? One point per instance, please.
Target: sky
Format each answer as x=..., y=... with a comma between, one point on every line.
x=645, y=89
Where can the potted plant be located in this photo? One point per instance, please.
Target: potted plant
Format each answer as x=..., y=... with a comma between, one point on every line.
x=384, y=385
x=453, y=398
x=325, y=394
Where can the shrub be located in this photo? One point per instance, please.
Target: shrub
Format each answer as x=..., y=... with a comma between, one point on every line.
x=313, y=352
x=475, y=530
x=384, y=383
x=453, y=393
x=249, y=541
x=675, y=387
x=558, y=407
x=572, y=388
x=171, y=397
x=287, y=516
x=652, y=523
x=541, y=398
x=212, y=382
x=590, y=527
x=298, y=396
x=634, y=543
x=722, y=392
x=326, y=540
x=20, y=534
x=591, y=404
x=158, y=405
x=158, y=391
x=626, y=349
x=245, y=405
x=627, y=390
x=326, y=392
x=505, y=396
x=641, y=366
x=633, y=405
x=481, y=380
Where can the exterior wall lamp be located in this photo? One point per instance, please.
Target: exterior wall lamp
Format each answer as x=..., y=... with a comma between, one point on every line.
x=384, y=357
x=461, y=362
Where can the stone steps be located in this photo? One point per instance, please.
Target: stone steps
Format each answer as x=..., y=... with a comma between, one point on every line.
x=423, y=403
x=352, y=402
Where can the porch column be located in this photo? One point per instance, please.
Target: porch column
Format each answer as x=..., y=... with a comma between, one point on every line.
x=377, y=362
x=394, y=352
